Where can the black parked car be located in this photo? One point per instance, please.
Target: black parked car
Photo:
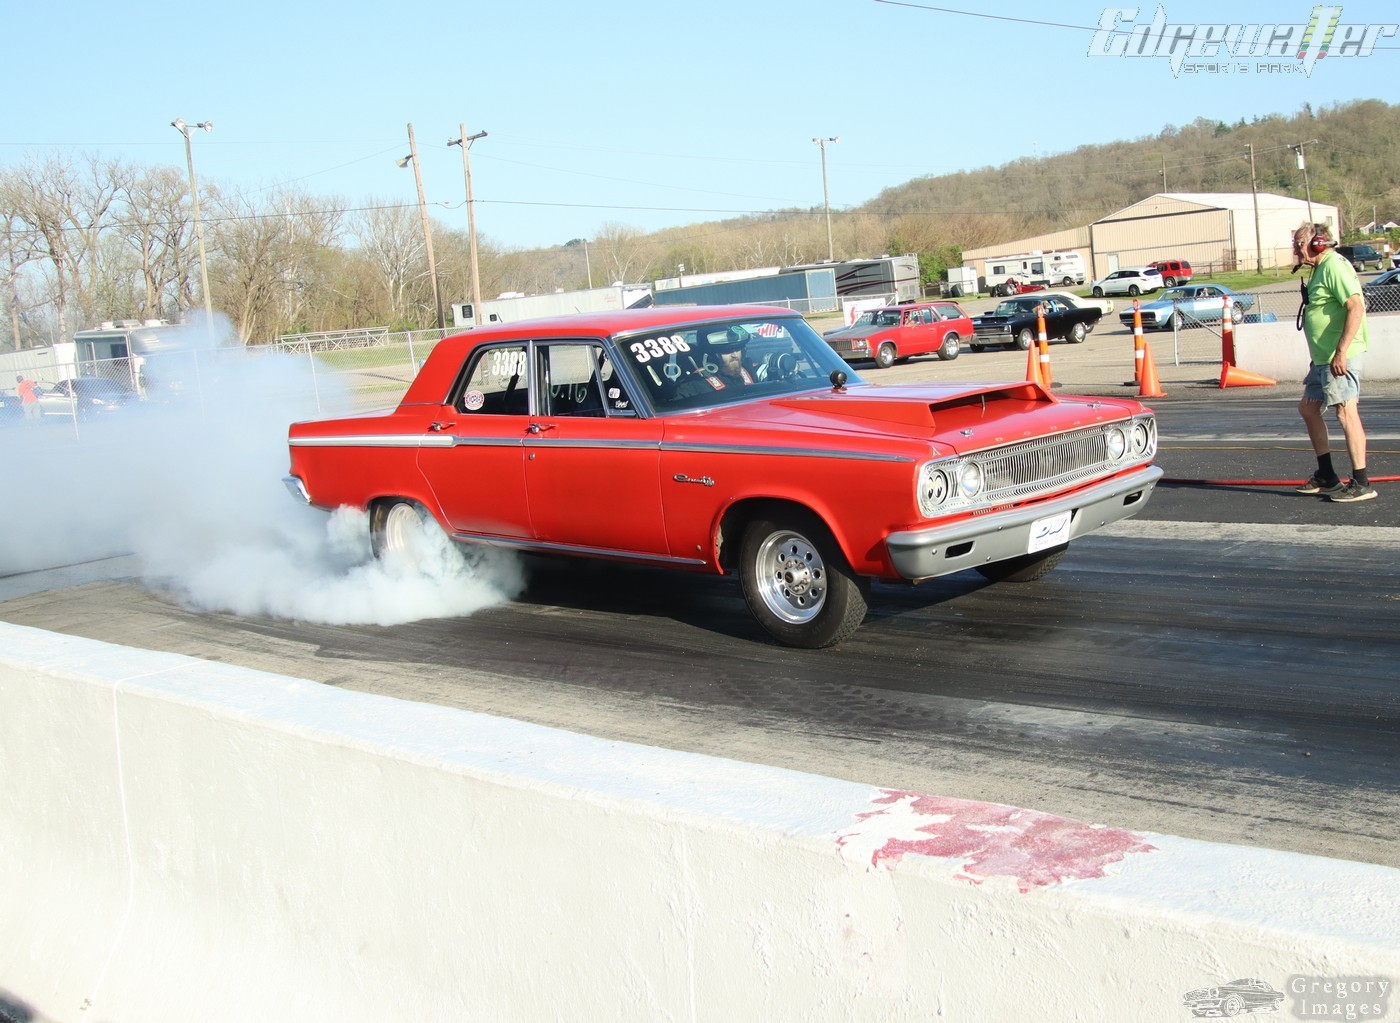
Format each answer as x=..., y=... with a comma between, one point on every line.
x=1382, y=293
x=1013, y=322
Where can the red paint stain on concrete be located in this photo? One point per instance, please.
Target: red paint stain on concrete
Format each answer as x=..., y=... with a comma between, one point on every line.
x=991, y=840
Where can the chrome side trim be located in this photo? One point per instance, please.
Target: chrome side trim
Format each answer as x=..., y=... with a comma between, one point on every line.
x=543, y=546
x=386, y=440
x=744, y=449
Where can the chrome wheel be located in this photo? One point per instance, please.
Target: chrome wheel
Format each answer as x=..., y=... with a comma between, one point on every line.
x=797, y=583
x=792, y=577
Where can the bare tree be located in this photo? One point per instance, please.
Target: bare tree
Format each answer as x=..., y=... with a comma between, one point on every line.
x=391, y=239
x=155, y=226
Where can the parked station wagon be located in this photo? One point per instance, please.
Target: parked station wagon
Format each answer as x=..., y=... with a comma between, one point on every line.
x=895, y=333
x=730, y=440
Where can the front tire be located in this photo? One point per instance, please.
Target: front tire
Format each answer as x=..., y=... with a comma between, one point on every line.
x=1025, y=569
x=885, y=355
x=797, y=583
x=1169, y=282
x=1025, y=339
x=1077, y=334
x=951, y=347
x=1098, y=292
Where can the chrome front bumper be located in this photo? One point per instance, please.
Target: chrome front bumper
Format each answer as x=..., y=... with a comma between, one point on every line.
x=941, y=550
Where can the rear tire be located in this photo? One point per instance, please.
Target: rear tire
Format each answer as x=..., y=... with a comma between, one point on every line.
x=1025, y=569
x=797, y=583
x=1134, y=290
x=951, y=347
x=397, y=530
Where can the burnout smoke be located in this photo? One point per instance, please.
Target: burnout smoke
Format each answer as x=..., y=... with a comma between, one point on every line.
x=192, y=488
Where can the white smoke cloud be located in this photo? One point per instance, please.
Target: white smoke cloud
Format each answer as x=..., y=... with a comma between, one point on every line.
x=193, y=489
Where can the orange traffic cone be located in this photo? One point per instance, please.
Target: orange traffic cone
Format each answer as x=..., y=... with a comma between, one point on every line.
x=1046, y=377
x=1233, y=376
x=1149, y=387
x=1033, y=365
x=1138, y=345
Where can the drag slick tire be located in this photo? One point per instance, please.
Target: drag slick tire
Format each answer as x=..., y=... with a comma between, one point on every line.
x=797, y=583
x=1025, y=569
x=396, y=527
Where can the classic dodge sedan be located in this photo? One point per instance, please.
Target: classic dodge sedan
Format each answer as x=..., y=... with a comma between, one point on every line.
x=730, y=440
x=1015, y=322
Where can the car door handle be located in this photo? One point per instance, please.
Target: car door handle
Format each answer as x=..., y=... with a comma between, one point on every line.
x=439, y=427
x=539, y=427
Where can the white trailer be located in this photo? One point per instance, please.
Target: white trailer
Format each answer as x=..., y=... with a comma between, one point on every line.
x=511, y=308
x=1052, y=269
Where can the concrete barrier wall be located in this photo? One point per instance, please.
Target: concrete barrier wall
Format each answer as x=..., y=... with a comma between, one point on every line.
x=1277, y=350
x=182, y=840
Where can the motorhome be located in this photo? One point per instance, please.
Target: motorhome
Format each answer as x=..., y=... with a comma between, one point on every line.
x=1052, y=269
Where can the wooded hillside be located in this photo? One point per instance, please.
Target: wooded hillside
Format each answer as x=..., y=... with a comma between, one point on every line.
x=87, y=240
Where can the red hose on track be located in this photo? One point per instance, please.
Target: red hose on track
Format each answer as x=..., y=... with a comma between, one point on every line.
x=1259, y=483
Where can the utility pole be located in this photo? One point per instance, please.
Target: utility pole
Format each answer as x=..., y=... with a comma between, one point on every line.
x=1303, y=166
x=427, y=230
x=826, y=198
x=184, y=129
x=1258, y=242
x=465, y=141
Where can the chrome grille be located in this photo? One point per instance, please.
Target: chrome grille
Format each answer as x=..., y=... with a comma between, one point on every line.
x=1026, y=470
x=991, y=330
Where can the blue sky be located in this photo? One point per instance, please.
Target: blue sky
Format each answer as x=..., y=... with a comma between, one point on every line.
x=643, y=114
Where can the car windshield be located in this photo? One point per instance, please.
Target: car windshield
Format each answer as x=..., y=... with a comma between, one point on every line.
x=1015, y=308
x=1177, y=295
x=724, y=361
x=878, y=318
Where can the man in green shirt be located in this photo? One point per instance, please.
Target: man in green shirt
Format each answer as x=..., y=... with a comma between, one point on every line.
x=1333, y=319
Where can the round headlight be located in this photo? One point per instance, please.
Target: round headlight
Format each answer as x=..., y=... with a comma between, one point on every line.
x=1142, y=437
x=1117, y=443
x=970, y=479
x=933, y=489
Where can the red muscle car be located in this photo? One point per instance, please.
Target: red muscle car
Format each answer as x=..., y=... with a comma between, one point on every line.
x=731, y=440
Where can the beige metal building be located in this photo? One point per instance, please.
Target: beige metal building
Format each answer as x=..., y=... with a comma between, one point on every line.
x=1213, y=230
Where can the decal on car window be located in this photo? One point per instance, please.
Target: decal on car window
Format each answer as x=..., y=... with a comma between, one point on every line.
x=507, y=362
x=472, y=401
x=658, y=347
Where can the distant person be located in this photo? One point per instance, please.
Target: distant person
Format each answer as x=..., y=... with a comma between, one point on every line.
x=28, y=397
x=1333, y=320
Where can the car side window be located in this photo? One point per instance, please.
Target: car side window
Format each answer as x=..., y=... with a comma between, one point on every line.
x=579, y=380
x=498, y=383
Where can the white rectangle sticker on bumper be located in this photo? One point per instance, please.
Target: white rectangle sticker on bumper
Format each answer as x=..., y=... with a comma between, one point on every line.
x=1050, y=531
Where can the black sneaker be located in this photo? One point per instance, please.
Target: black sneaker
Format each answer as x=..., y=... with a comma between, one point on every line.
x=1353, y=491
x=1318, y=484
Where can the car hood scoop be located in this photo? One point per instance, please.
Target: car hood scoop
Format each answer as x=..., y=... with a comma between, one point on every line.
x=916, y=406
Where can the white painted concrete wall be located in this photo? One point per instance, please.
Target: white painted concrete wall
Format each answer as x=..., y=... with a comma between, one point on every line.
x=1277, y=350
x=189, y=841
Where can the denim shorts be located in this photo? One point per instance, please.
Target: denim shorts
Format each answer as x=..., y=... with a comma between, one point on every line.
x=1321, y=385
